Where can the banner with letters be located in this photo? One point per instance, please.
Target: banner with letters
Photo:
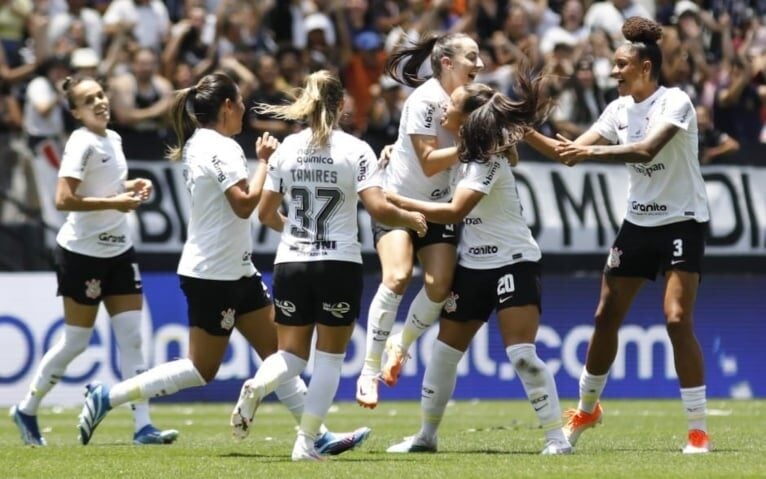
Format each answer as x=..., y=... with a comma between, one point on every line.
x=570, y=210
x=729, y=319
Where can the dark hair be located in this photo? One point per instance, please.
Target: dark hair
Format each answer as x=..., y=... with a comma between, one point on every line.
x=411, y=58
x=71, y=82
x=199, y=106
x=496, y=122
x=318, y=103
x=643, y=35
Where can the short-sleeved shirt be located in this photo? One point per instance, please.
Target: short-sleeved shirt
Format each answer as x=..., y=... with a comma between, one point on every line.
x=99, y=163
x=669, y=188
x=320, y=186
x=495, y=233
x=421, y=115
x=219, y=243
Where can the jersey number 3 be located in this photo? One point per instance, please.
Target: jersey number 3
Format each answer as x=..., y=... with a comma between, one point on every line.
x=303, y=203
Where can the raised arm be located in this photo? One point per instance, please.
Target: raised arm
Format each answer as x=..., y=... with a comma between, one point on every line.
x=244, y=196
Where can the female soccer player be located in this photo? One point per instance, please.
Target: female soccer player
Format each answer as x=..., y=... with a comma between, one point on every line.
x=420, y=168
x=95, y=260
x=653, y=130
x=499, y=265
x=222, y=287
x=319, y=172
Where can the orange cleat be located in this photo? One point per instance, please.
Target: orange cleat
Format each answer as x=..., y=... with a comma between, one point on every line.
x=699, y=443
x=578, y=421
x=396, y=356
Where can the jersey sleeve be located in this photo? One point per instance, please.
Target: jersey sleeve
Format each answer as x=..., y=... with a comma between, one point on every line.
x=480, y=177
x=606, y=125
x=366, y=170
x=228, y=167
x=273, y=178
x=424, y=117
x=677, y=110
x=77, y=152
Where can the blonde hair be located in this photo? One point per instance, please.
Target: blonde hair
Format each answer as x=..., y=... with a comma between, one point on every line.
x=318, y=104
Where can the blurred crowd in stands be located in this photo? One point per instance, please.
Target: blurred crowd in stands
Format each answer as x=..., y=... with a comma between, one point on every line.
x=715, y=50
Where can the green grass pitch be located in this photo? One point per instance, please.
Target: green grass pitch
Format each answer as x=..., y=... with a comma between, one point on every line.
x=478, y=439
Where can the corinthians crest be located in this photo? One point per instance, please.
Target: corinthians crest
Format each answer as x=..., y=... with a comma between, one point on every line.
x=227, y=318
x=613, y=261
x=451, y=304
x=93, y=288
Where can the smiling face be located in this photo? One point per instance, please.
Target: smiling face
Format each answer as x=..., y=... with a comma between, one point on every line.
x=632, y=74
x=463, y=67
x=91, y=106
x=454, y=117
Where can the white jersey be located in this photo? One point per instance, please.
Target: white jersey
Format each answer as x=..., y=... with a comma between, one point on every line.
x=320, y=187
x=421, y=115
x=218, y=244
x=669, y=188
x=494, y=232
x=99, y=163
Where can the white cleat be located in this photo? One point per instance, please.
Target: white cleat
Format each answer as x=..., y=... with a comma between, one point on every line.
x=244, y=410
x=367, y=391
x=413, y=444
x=304, y=449
x=556, y=447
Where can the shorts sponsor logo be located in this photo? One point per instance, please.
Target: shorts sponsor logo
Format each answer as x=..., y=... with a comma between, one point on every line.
x=482, y=250
x=93, y=288
x=450, y=306
x=613, y=261
x=227, y=318
x=472, y=221
x=338, y=310
x=287, y=307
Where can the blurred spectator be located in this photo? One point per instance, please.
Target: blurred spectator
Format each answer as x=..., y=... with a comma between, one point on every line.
x=580, y=103
x=146, y=20
x=140, y=100
x=14, y=17
x=517, y=28
x=10, y=129
x=77, y=14
x=739, y=101
x=571, y=31
x=190, y=40
x=364, y=68
x=291, y=67
x=496, y=73
x=386, y=110
x=713, y=143
x=609, y=15
x=44, y=106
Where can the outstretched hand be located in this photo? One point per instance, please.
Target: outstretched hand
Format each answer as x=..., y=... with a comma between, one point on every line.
x=265, y=145
x=569, y=152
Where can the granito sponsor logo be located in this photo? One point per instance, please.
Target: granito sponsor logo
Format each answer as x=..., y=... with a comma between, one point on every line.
x=491, y=174
x=648, y=171
x=111, y=239
x=648, y=207
x=218, y=170
x=482, y=250
x=440, y=193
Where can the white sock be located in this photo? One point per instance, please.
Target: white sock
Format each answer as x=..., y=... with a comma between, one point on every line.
x=438, y=385
x=422, y=314
x=275, y=370
x=321, y=392
x=72, y=343
x=380, y=320
x=292, y=393
x=162, y=380
x=127, y=331
x=540, y=388
x=695, y=405
x=591, y=387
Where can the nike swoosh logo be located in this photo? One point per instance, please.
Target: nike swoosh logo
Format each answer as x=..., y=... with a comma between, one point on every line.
x=448, y=236
x=503, y=300
x=538, y=408
x=621, y=127
x=677, y=261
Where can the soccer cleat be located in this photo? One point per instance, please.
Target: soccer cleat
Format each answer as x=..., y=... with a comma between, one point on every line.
x=27, y=424
x=94, y=410
x=367, y=391
x=699, y=443
x=304, y=449
x=151, y=435
x=329, y=444
x=244, y=411
x=556, y=447
x=414, y=444
x=578, y=421
x=396, y=356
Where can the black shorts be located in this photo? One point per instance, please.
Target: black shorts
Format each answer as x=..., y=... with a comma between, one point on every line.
x=477, y=292
x=89, y=279
x=437, y=233
x=642, y=251
x=215, y=305
x=324, y=292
